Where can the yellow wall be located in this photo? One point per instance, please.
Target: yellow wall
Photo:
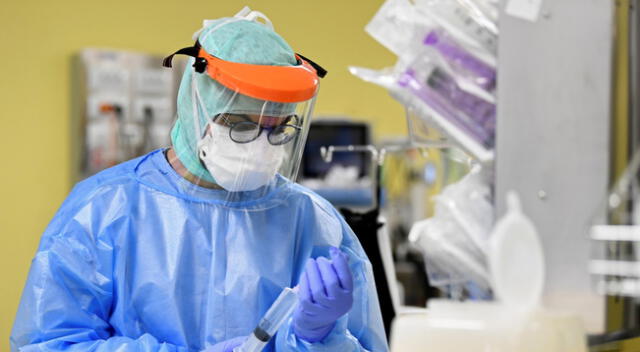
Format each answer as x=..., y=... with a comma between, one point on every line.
x=38, y=39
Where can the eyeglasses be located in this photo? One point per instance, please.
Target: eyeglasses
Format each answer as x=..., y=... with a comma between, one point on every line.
x=245, y=130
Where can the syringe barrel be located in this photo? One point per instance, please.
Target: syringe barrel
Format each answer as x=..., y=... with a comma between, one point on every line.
x=277, y=314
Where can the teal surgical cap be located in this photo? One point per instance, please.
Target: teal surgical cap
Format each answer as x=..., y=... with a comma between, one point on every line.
x=230, y=39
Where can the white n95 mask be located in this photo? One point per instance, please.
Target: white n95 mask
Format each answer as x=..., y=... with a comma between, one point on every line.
x=239, y=166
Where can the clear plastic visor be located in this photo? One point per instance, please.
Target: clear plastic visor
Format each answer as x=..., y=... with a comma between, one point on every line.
x=250, y=147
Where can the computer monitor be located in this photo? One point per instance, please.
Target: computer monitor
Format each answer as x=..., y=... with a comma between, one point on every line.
x=333, y=132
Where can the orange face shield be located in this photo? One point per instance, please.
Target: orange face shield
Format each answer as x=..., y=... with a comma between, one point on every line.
x=284, y=84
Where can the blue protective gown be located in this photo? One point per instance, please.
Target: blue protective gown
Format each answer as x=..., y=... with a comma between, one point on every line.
x=139, y=259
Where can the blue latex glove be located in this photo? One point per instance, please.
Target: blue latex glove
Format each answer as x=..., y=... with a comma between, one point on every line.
x=325, y=294
x=227, y=345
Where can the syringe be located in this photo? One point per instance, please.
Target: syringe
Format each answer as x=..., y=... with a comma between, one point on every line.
x=279, y=311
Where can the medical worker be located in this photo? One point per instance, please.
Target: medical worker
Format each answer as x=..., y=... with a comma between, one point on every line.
x=185, y=248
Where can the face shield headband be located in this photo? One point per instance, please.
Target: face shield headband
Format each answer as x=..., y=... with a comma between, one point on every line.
x=284, y=84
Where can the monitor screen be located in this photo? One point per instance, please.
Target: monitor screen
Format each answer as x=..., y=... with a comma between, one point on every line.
x=336, y=133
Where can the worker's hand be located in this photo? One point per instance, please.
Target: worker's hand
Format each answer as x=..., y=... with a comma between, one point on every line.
x=227, y=345
x=325, y=294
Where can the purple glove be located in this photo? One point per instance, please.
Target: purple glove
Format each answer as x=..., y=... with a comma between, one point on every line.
x=227, y=345
x=325, y=294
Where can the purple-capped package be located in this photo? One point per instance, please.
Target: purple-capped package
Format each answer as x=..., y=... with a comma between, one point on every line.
x=460, y=60
x=473, y=115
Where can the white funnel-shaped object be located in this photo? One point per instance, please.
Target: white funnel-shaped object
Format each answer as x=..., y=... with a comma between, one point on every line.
x=516, y=259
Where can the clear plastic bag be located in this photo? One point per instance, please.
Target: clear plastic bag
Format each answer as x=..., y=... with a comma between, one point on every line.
x=402, y=25
x=445, y=74
x=473, y=22
x=455, y=240
x=461, y=61
x=468, y=109
x=429, y=109
x=468, y=203
x=450, y=258
x=398, y=26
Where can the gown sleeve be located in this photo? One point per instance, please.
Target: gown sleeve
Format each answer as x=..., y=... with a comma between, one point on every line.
x=361, y=329
x=67, y=300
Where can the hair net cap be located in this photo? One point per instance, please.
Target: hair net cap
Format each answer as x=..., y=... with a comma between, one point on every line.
x=231, y=39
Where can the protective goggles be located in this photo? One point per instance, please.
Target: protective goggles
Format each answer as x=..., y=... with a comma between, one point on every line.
x=284, y=84
x=242, y=129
